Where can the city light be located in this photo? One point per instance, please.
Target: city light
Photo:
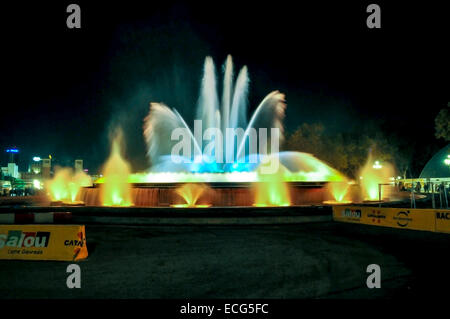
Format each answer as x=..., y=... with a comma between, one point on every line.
x=37, y=184
x=447, y=160
x=36, y=158
x=12, y=150
x=377, y=165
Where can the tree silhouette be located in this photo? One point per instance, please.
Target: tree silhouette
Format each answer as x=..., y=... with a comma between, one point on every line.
x=348, y=152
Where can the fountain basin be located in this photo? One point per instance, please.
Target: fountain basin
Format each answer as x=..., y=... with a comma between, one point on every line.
x=216, y=194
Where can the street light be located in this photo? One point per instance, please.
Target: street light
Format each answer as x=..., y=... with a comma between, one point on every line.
x=37, y=184
x=447, y=160
x=377, y=165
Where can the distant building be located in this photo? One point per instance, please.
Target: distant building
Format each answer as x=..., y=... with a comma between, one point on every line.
x=35, y=166
x=13, y=170
x=29, y=176
x=46, y=167
x=5, y=170
x=78, y=165
x=12, y=155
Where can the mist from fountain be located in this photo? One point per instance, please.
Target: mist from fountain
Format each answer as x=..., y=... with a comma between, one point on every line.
x=339, y=193
x=271, y=189
x=116, y=190
x=66, y=184
x=372, y=175
x=191, y=193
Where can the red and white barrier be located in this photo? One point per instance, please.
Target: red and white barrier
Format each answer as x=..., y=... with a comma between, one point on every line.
x=35, y=218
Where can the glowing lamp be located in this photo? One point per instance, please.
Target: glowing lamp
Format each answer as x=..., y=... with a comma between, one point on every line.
x=377, y=165
x=37, y=184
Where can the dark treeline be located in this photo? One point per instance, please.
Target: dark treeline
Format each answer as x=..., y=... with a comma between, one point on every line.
x=348, y=151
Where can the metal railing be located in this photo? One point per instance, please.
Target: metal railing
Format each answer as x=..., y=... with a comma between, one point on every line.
x=440, y=188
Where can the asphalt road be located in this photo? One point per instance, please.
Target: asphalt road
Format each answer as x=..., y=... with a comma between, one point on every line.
x=318, y=260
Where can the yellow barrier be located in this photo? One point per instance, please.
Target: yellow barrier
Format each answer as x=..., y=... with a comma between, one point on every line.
x=43, y=242
x=435, y=220
x=443, y=221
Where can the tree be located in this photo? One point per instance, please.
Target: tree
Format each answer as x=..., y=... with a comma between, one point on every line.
x=308, y=138
x=349, y=152
x=442, y=124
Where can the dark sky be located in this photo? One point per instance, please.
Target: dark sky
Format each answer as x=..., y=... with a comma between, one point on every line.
x=64, y=89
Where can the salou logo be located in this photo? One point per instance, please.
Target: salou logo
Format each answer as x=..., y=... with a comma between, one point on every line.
x=19, y=239
x=351, y=213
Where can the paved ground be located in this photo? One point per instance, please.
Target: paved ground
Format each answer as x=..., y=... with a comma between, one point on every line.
x=321, y=260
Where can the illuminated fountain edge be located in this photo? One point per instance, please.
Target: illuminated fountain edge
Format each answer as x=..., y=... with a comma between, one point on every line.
x=229, y=194
x=296, y=183
x=218, y=194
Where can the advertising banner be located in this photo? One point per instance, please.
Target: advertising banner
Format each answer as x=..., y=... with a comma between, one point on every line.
x=442, y=221
x=43, y=242
x=436, y=220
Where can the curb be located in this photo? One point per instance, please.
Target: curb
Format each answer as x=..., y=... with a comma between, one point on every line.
x=35, y=218
x=208, y=221
x=164, y=215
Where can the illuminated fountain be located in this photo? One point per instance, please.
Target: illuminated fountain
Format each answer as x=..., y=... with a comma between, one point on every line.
x=65, y=186
x=223, y=156
x=191, y=194
x=373, y=178
x=222, y=150
x=116, y=191
x=271, y=189
x=339, y=192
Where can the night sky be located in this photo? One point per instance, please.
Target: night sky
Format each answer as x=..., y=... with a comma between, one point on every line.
x=64, y=89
